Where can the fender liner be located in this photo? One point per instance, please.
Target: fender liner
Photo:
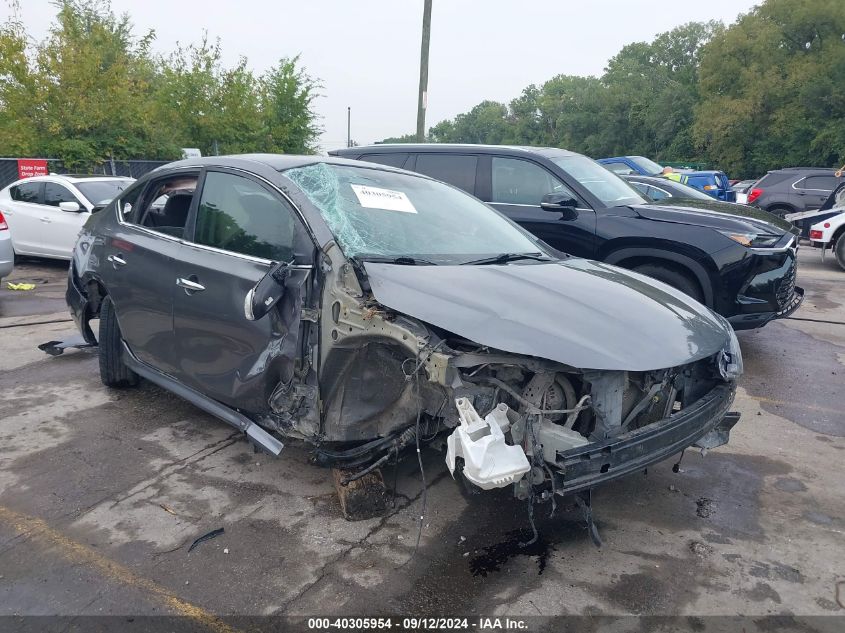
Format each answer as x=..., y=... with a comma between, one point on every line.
x=656, y=254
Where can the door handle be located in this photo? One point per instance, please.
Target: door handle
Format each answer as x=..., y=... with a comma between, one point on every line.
x=189, y=285
x=45, y=220
x=116, y=261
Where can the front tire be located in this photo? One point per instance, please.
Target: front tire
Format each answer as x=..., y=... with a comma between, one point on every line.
x=673, y=278
x=113, y=371
x=839, y=251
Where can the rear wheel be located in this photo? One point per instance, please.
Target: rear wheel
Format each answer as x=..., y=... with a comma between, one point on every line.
x=839, y=250
x=673, y=278
x=779, y=210
x=113, y=371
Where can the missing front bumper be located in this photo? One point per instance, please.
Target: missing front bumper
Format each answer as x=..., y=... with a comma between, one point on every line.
x=584, y=467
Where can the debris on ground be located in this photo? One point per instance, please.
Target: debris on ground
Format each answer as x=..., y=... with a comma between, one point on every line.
x=167, y=509
x=20, y=286
x=207, y=537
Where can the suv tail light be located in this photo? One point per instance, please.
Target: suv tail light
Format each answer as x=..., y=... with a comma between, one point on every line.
x=3, y=225
x=754, y=194
x=815, y=235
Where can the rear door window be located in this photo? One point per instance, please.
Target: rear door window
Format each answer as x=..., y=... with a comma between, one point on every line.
x=456, y=169
x=55, y=193
x=27, y=192
x=819, y=183
x=517, y=181
x=393, y=160
x=165, y=205
x=239, y=215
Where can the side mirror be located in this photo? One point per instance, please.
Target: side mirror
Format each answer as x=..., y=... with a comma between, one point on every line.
x=70, y=207
x=560, y=203
x=266, y=293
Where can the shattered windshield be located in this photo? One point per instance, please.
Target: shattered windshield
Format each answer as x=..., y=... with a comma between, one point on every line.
x=374, y=213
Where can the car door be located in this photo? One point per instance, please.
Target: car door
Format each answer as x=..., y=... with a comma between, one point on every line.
x=516, y=188
x=23, y=216
x=241, y=227
x=60, y=228
x=812, y=191
x=137, y=260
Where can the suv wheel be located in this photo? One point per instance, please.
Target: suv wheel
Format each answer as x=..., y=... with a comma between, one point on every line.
x=780, y=210
x=672, y=278
x=839, y=250
x=113, y=371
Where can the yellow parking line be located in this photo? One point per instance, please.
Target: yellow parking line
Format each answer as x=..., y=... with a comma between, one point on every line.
x=78, y=553
x=809, y=407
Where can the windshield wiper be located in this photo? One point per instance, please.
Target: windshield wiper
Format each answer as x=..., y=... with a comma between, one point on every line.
x=504, y=258
x=402, y=260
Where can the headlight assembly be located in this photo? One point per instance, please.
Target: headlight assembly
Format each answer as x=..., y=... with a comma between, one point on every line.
x=753, y=240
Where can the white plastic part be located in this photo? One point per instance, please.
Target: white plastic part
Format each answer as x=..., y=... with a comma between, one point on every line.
x=488, y=461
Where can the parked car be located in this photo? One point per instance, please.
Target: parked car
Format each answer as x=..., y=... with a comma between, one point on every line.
x=793, y=189
x=743, y=267
x=741, y=188
x=657, y=188
x=804, y=221
x=714, y=183
x=366, y=309
x=7, y=254
x=45, y=213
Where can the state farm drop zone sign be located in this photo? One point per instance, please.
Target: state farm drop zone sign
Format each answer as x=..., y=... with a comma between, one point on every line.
x=29, y=167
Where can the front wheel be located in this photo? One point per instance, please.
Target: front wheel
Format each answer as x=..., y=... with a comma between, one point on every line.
x=673, y=278
x=113, y=371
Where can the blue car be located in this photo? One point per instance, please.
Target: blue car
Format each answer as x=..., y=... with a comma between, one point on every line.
x=713, y=183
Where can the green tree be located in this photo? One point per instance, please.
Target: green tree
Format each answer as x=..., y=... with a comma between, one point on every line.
x=773, y=88
x=287, y=97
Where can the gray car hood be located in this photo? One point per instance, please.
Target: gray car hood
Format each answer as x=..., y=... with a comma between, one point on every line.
x=585, y=314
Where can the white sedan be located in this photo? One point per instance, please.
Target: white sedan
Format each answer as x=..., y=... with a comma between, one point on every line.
x=45, y=213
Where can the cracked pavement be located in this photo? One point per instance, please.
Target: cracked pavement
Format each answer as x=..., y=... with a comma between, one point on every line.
x=103, y=491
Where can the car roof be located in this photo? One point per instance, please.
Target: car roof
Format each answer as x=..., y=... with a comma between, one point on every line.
x=821, y=170
x=448, y=148
x=278, y=162
x=72, y=178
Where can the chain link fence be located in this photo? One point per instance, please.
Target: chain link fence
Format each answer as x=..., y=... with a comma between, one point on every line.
x=130, y=168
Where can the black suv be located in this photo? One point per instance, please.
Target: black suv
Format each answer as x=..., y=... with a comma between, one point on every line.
x=737, y=260
x=793, y=189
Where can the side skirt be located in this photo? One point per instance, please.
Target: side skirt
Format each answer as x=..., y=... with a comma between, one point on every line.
x=254, y=433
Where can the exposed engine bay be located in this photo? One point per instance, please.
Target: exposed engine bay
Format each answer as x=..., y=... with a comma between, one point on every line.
x=389, y=381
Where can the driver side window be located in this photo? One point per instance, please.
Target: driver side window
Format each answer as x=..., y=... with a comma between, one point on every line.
x=517, y=181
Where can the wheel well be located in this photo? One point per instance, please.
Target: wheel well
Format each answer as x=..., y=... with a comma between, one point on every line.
x=788, y=208
x=96, y=291
x=836, y=235
x=635, y=262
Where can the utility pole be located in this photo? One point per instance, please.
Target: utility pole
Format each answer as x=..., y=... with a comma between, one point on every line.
x=422, y=103
x=349, y=126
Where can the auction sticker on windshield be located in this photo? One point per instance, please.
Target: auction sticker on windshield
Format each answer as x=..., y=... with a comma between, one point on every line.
x=387, y=199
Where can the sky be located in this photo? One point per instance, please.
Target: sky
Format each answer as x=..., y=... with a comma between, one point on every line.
x=366, y=52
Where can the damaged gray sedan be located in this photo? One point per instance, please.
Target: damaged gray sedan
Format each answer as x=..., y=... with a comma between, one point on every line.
x=366, y=310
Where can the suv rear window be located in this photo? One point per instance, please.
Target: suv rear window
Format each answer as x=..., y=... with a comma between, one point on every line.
x=393, y=160
x=452, y=168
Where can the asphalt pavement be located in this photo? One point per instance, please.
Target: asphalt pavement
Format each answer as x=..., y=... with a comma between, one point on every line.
x=102, y=492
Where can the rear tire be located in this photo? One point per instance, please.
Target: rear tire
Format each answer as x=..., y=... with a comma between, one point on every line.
x=839, y=250
x=673, y=278
x=780, y=211
x=113, y=371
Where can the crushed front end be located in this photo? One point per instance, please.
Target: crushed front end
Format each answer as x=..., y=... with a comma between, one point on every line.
x=544, y=427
